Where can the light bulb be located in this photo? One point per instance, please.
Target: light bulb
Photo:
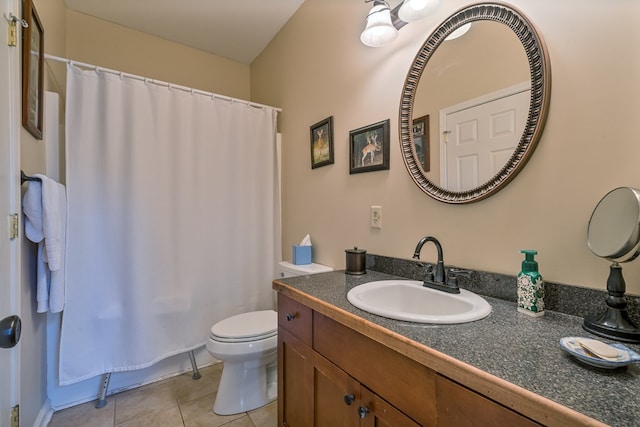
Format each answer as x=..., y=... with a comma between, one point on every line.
x=414, y=10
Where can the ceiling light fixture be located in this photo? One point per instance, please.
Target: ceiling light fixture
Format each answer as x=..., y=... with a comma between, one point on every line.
x=383, y=22
x=379, y=30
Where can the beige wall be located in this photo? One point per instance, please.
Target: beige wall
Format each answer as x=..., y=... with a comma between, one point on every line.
x=99, y=42
x=316, y=67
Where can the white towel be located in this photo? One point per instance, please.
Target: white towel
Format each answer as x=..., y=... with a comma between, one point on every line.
x=51, y=222
x=44, y=205
x=32, y=208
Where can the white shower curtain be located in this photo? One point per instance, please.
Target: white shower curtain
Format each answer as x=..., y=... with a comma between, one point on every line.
x=173, y=219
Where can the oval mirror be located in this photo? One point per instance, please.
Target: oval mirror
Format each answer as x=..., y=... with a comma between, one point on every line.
x=473, y=108
x=614, y=227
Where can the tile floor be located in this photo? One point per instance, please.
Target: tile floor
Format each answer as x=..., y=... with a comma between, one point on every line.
x=175, y=402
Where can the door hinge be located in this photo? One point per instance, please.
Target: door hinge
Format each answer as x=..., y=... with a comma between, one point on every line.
x=15, y=416
x=12, y=28
x=14, y=232
x=12, y=38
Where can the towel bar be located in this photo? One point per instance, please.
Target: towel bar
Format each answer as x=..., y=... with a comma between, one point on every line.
x=24, y=178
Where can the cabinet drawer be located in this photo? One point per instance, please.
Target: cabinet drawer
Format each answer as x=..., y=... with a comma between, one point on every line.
x=402, y=382
x=295, y=317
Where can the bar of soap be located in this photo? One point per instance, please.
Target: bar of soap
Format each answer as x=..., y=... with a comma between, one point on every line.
x=600, y=349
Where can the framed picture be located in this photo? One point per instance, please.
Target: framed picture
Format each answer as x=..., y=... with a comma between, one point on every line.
x=322, y=143
x=421, y=141
x=369, y=148
x=32, y=71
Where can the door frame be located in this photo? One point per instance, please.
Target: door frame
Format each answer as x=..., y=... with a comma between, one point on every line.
x=10, y=274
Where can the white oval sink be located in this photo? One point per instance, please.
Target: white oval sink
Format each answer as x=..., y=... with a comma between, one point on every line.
x=409, y=300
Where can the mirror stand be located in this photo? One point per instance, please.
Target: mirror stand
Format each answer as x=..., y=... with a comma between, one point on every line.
x=614, y=322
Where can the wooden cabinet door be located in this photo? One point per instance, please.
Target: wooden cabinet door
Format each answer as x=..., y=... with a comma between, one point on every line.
x=336, y=396
x=379, y=413
x=295, y=381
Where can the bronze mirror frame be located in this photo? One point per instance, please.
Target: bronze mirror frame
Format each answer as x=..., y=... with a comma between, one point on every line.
x=540, y=71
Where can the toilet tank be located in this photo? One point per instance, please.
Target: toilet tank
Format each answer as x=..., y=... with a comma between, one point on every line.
x=288, y=269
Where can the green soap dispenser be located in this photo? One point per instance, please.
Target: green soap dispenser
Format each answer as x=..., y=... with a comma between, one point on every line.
x=530, y=286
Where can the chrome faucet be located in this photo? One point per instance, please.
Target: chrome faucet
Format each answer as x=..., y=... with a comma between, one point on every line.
x=437, y=280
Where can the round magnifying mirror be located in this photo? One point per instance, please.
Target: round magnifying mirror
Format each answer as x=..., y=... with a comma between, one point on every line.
x=614, y=227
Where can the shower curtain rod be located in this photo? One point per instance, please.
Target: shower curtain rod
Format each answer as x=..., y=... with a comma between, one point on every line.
x=158, y=82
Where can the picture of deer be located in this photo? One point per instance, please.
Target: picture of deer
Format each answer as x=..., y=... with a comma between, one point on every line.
x=320, y=141
x=371, y=148
x=321, y=138
x=321, y=146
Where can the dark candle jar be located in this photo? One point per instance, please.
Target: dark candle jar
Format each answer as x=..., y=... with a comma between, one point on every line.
x=356, y=261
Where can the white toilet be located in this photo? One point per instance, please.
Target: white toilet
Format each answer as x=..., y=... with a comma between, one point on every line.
x=247, y=344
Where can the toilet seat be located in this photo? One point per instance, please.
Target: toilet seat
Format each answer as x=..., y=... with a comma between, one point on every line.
x=246, y=327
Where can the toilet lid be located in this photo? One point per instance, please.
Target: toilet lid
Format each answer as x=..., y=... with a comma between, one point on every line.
x=255, y=324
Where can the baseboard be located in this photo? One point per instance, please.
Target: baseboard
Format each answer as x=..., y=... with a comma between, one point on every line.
x=44, y=415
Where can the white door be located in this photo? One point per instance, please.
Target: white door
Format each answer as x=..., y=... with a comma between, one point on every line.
x=480, y=136
x=9, y=204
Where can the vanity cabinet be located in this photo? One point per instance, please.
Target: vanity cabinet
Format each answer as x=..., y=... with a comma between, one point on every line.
x=332, y=375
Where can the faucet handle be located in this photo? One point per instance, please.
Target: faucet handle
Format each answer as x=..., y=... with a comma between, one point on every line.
x=459, y=272
x=428, y=272
x=452, y=277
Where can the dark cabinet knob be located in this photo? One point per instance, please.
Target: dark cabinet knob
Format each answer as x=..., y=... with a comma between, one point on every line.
x=363, y=411
x=349, y=398
x=290, y=316
x=10, y=328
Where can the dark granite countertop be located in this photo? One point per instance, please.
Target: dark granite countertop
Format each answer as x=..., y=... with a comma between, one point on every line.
x=509, y=345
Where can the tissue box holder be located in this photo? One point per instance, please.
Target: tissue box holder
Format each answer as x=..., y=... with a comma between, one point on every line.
x=301, y=255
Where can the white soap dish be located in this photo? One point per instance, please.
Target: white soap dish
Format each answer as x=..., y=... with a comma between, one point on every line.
x=623, y=357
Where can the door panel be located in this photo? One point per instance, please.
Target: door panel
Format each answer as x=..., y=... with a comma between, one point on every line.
x=295, y=376
x=480, y=139
x=337, y=396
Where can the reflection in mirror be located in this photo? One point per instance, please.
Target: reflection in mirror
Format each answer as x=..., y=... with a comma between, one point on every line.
x=463, y=87
x=484, y=118
x=614, y=234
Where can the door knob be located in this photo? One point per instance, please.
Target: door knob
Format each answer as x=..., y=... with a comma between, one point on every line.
x=363, y=411
x=349, y=398
x=10, y=328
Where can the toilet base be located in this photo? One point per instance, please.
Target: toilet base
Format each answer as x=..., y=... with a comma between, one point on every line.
x=244, y=387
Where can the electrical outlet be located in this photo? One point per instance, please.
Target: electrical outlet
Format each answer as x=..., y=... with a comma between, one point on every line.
x=375, y=217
